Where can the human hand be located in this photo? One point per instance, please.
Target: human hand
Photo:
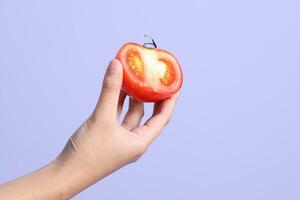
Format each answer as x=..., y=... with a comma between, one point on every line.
x=102, y=144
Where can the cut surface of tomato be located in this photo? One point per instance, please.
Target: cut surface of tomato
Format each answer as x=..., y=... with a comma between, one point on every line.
x=135, y=63
x=149, y=74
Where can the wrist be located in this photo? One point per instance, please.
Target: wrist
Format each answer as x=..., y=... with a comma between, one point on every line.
x=71, y=176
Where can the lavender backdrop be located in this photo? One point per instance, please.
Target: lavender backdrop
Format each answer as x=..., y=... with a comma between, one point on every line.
x=236, y=130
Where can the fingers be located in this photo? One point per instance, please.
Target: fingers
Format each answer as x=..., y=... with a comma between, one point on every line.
x=108, y=101
x=134, y=114
x=162, y=113
x=121, y=103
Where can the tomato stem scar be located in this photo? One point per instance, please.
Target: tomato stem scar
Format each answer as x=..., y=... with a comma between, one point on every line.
x=146, y=45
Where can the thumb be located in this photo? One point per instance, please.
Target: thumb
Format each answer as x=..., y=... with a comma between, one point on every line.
x=108, y=101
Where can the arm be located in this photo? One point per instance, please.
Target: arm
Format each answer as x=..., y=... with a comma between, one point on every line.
x=99, y=147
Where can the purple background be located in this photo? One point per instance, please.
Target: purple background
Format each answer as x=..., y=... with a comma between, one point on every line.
x=235, y=133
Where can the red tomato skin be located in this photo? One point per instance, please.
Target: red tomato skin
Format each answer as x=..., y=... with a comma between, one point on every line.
x=142, y=93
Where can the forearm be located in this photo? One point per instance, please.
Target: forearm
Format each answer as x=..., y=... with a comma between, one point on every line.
x=41, y=184
x=57, y=180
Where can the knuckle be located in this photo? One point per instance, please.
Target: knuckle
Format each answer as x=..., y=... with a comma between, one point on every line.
x=110, y=86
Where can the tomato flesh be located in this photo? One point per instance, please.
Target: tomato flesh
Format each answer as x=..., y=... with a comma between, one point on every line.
x=169, y=76
x=149, y=75
x=135, y=63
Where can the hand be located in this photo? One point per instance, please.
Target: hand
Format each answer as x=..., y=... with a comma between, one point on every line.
x=100, y=146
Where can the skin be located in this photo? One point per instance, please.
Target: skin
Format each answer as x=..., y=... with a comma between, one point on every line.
x=100, y=146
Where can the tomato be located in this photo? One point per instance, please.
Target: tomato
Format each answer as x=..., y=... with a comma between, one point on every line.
x=149, y=74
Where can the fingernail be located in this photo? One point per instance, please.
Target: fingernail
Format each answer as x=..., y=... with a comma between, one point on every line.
x=114, y=66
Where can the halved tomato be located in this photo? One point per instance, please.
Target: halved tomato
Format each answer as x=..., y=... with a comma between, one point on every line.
x=149, y=74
